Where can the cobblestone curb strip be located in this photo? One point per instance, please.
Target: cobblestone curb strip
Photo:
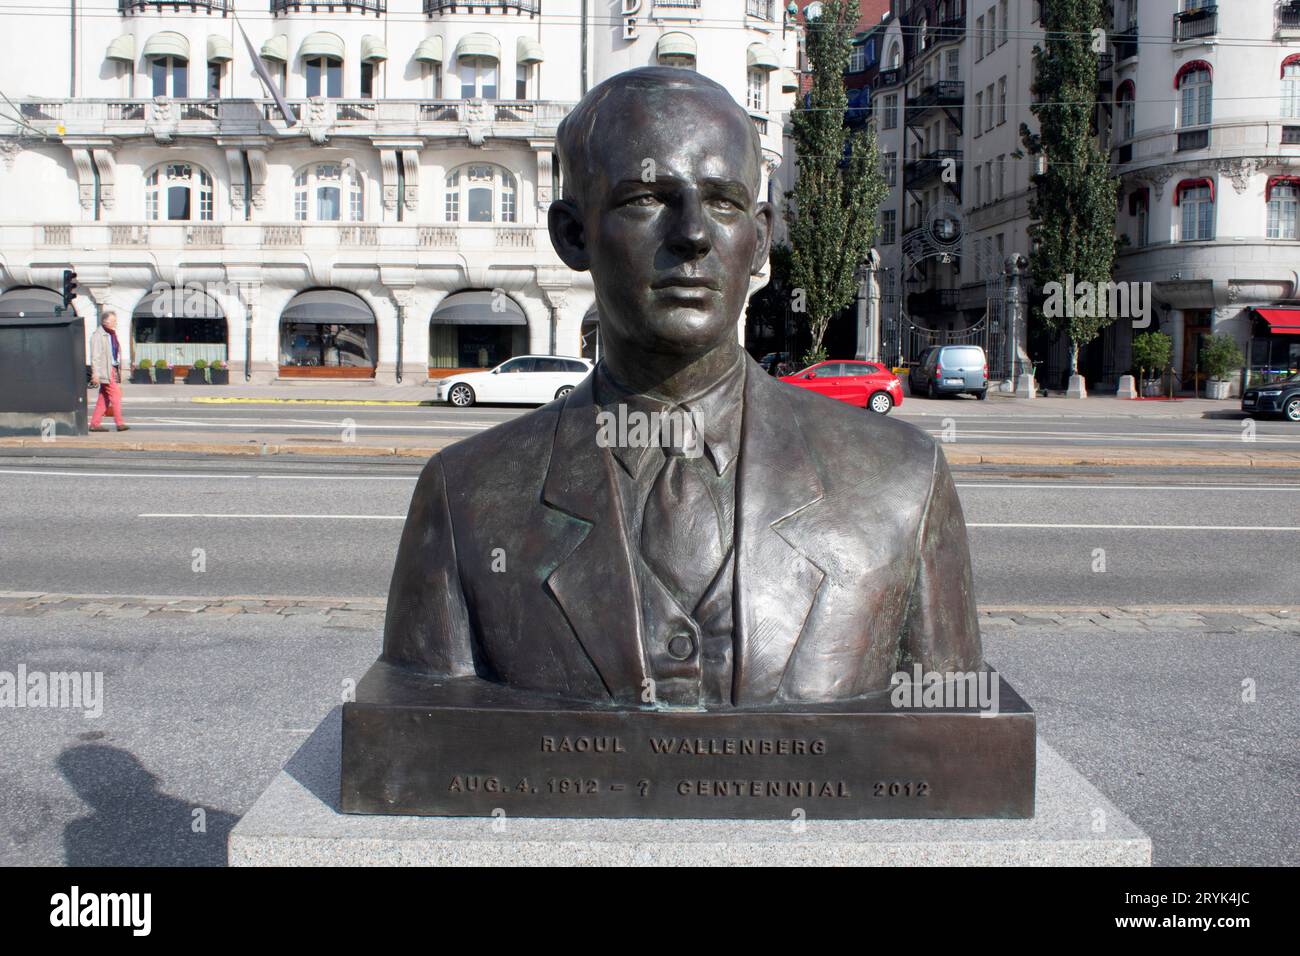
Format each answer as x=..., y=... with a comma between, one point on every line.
x=368, y=613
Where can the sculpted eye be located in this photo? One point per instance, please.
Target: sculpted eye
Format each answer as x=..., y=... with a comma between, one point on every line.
x=645, y=199
x=729, y=205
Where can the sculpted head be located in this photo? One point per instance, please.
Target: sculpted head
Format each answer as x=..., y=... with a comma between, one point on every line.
x=662, y=170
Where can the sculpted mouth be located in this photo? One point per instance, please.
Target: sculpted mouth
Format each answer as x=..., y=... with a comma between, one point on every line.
x=686, y=282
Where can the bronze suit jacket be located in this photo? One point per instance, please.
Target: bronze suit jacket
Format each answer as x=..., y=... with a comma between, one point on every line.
x=851, y=557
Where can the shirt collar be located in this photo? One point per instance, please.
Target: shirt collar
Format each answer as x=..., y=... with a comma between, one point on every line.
x=715, y=408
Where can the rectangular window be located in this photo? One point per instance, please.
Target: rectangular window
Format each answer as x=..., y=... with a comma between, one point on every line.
x=988, y=100
x=979, y=113
x=1195, y=103
x=521, y=81
x=1291, y=91
x=857, y=59
x=889, y=105
x=979, y=39
x=888, y=227
x=367, y=80
x=979, y=186
x=992, y=21
x=1143, y=220
x=954, y=64
x=756, y=96
x=214, y=81
x=1283, y=207
x=1198, y=214
x=1002, y=38
x=889, y=164
x=1002, y=176
x=1002, y=100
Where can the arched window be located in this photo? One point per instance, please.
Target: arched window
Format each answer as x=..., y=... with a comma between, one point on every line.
x=480, y=192
x=180, y=192
x=895, y=56
x=1125, y=101
x=328, y=192
x=1291, y=87
x=1195, y=85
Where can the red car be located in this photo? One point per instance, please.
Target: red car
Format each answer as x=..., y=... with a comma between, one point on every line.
x=864, y=384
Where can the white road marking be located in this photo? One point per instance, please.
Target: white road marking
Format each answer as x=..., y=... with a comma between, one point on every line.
x=989, y=484
x=196, y=514
x=107, y=474
x=323, y=426
x=1136, y=527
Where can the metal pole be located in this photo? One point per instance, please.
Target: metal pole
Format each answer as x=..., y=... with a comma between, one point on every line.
x=401, y=321
x=72, y=57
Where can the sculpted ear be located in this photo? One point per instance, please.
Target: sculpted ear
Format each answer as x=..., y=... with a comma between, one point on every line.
x=567, y=235
x=763, y=221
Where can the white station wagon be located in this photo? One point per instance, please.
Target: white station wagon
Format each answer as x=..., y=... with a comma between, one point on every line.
x=522, y=380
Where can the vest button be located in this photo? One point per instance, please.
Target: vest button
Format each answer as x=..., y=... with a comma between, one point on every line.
x=681, y=646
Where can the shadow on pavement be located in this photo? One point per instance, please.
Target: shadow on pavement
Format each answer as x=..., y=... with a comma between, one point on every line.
x=133, y=823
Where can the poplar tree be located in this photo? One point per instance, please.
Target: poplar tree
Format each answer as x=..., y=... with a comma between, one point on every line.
x=1073, y=204
x=831, y=212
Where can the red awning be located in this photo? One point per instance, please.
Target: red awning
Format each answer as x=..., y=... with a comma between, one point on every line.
x=1192, y=184
x=1281, y=321
x=1279, y=181
x=1194, y=66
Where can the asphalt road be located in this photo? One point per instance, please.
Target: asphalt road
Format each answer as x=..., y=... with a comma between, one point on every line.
x=1042, y=536
x=953, y=419
x=200, y=715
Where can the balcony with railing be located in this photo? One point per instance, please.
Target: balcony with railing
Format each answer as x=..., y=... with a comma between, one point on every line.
x=222, y=7
x=1193, y=139
x=887, y=78
x=377, y=7
x=158, y=237
x=1125, y=43
x=944, y=93
x=1196, y=24
x=950, y=30
x=1105, y=72
x=920, y=171
x=530, y=7
x=504, y=118
x=1287, y=23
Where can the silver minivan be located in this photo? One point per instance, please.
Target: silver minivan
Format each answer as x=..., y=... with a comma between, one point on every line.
x=950, y=370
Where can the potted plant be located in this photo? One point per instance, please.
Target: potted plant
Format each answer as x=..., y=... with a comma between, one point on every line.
x=218, y=373
x=1220, y=357
x=198, y=373
x=143, y=373
x=160, y=373
x=1151, y=352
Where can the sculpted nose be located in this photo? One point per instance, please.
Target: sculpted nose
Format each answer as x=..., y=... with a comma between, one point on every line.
x=690, y=235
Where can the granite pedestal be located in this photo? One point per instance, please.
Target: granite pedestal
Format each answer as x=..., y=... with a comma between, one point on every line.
x=296, y=822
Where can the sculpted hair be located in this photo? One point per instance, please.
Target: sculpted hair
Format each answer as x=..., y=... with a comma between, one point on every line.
x=574, y=134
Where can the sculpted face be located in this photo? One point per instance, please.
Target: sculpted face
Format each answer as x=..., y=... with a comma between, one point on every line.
x=669, y=226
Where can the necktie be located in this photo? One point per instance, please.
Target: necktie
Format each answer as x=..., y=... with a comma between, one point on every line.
x=680, y=539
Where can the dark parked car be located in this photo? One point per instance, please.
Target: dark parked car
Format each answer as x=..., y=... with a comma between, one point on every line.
x=950, y=370
x=1277, y=398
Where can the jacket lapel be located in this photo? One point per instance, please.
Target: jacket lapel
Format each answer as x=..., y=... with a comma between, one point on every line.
x=776, y=582
x=594, y=583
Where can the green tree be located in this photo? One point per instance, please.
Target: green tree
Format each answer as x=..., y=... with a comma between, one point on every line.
x=1073, y=203
x=831, y=213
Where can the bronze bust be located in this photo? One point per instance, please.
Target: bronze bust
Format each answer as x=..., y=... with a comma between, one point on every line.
x=795, y=551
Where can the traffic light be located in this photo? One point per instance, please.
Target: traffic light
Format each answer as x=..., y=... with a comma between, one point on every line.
x=69, y=287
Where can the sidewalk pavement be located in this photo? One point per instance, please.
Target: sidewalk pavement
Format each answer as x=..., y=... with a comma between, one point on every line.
x=368, y=613
x=369, y=392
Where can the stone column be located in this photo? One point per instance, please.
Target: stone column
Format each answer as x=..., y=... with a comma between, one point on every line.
x=868, y=338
